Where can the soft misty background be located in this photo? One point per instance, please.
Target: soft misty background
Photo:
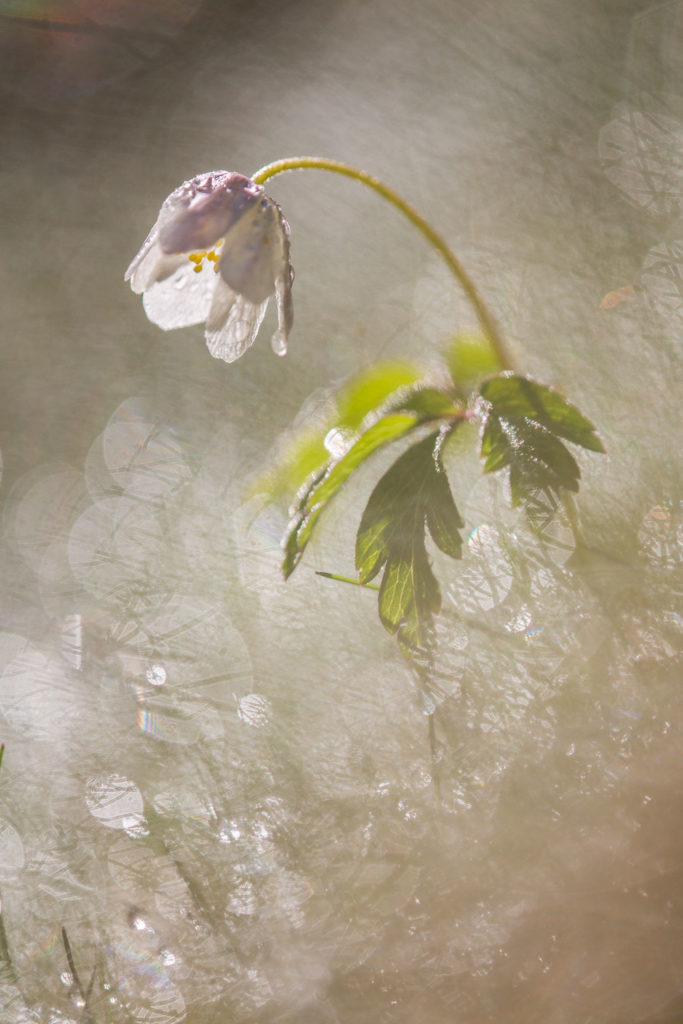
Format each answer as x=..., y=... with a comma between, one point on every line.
x=222, y=785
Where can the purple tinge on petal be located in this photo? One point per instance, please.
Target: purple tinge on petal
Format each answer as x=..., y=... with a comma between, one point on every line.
x=255, y=252
x=201, y=211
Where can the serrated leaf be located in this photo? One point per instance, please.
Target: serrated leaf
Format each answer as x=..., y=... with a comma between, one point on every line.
x=409, y=595
x=496, y=446
x=517, y=397
x=523, y=427
x=314, y=499
x=297, y=519
x=387, y=429
x=413, y=495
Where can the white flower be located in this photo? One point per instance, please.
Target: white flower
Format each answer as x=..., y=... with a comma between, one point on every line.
x=218, y=250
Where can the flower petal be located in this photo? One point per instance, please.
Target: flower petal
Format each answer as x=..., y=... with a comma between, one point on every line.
x=173, y=273
x=285, y=314
x=150, y=265
x=182, y=299
x=149, y=252
x=253, y=252
x=202, y=210
x=221, y=303
x=232, y=323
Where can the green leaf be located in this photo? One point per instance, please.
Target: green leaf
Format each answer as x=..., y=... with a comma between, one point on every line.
x=470, y=359
x=370, y=388
x=413, y=495
x=516, y=397
x=523, y=427
x=389, y=428
x=367, y=392
x=315, y=498
x=286, y=474
x=428, y=402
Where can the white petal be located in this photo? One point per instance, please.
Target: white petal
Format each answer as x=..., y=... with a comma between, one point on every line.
x=283, y=295
x=252, y=252
x=151, y=265
x=238, y=332
x=221, y=304
x=182, y=299
x=141, y=265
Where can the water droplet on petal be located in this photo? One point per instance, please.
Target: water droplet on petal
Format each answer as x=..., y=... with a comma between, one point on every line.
x=279, y=343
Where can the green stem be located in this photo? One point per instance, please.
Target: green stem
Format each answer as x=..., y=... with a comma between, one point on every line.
x=488, y=324
x=346, y=579
x=485, y=318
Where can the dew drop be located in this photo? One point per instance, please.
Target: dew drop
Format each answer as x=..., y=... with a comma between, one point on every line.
x=156, y=675
x=279, y=343
x=338, y=441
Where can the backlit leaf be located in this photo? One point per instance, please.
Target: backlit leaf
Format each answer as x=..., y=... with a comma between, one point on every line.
x=413, y=406
x=365, y=393
x=515, y=397
x=470, y=359
x=314, y=499
x=413, y=495
x=429, y=403
x=523, y=426
x=370, y=388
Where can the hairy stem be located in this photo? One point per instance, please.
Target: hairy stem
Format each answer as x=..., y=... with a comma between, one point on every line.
x=484, y=316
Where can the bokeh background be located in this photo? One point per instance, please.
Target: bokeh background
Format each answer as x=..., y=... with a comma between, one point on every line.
x=221, y=785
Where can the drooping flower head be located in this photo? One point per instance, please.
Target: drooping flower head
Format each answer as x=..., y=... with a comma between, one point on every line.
x=218, y=251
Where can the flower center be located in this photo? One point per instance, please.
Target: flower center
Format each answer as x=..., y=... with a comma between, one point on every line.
x=203, y=254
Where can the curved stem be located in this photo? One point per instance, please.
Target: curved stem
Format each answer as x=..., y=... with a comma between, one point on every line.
x=435, y=240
